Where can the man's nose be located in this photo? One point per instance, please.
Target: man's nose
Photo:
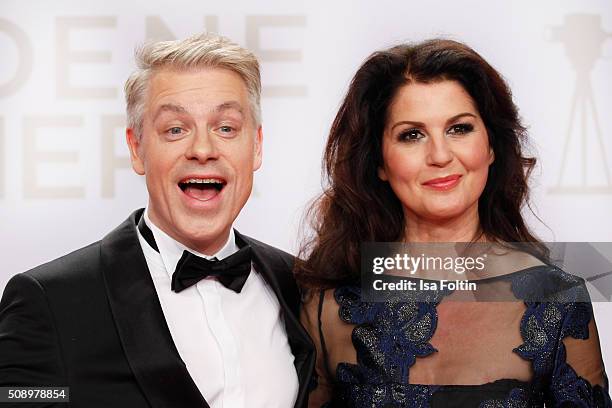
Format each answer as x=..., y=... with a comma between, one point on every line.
x=203, y=146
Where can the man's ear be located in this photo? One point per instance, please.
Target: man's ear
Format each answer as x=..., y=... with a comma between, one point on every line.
x=258, y=148
x=134, y=144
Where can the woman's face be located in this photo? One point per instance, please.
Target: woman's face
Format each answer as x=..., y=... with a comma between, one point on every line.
x=436, y=152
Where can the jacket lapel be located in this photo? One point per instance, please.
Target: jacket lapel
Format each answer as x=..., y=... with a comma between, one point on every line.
x=140, y=321
x=277, y=273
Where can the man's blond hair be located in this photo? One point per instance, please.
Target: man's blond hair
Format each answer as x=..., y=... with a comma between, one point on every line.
x=199, y=51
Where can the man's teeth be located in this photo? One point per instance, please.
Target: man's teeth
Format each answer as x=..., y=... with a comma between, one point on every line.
x=203, y=181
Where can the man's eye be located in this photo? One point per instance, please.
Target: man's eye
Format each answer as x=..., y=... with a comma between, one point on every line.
x=460, y=129
x=227, y=130
x=411, y=135
x=175, y=131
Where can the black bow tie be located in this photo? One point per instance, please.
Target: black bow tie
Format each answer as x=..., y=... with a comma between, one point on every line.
x=232, y=272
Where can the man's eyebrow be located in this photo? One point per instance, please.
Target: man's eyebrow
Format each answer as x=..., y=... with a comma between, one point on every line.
x=169, y=107
x=231, y=105
x=176, y=108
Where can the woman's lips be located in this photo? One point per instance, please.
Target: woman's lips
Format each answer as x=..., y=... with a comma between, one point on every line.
x=443, y=183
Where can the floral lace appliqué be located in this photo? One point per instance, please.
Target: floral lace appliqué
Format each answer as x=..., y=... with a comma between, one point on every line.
x=388, y=338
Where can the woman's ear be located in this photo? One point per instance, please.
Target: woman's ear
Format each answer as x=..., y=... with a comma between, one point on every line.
x=382, y=174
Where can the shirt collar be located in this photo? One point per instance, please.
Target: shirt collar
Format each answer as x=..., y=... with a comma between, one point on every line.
x=171, y=250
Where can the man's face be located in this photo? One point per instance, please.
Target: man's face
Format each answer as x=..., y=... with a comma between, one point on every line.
x=198, y=151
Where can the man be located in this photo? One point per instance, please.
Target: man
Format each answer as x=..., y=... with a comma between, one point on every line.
x=173, y=308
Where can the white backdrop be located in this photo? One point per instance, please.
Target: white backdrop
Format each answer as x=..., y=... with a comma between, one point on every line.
x=64, y=175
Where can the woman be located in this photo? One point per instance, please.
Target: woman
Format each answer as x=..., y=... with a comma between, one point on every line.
x=427, y=147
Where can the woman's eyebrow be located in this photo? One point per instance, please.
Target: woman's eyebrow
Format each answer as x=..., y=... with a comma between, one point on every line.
x=408, y=122
x=454, y=118
x=422, y=125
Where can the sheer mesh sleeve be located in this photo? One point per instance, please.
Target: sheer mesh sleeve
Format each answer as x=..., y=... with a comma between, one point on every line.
x=321, y=385
x=578, y=377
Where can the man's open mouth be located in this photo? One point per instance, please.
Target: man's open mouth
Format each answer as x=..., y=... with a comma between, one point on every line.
x=202, y=189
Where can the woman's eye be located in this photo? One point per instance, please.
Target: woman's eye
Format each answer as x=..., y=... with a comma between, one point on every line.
x=411, y=135
x=460, y=129
x=226, y=129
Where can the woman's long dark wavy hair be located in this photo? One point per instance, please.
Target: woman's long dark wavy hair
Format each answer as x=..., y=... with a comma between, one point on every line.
x=356, y=206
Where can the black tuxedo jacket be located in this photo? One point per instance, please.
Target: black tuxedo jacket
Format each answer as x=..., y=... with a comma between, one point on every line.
x=92, y=321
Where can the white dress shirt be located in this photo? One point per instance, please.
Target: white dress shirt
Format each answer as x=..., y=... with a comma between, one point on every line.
x=234, y=344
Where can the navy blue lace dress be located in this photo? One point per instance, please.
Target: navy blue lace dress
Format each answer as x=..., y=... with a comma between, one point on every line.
x=389, y=338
